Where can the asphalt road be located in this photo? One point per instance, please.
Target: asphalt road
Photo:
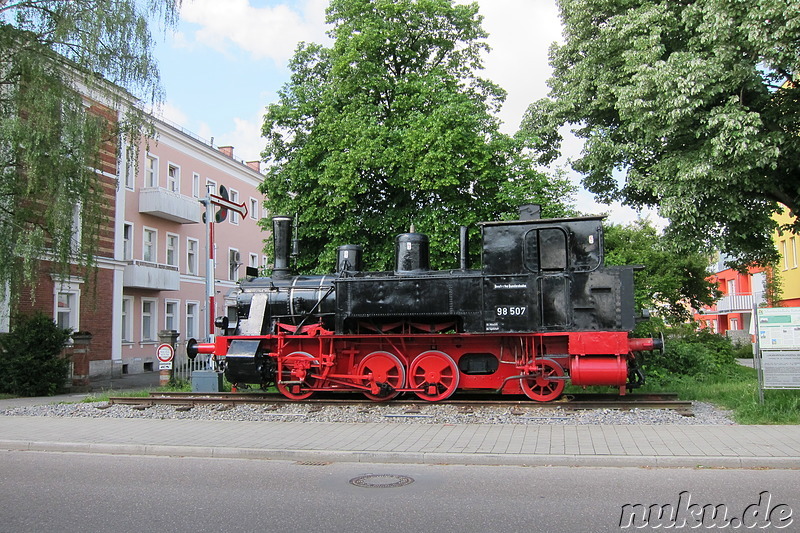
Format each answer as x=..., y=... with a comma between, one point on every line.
x=69, y=492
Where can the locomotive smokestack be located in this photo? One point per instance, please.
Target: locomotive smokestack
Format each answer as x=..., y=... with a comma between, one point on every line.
x=463, y=238
x=281, y=237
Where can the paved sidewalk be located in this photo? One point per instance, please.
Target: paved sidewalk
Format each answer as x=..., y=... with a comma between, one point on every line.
x=142, y=381
x=511, y=444
x=585, y=445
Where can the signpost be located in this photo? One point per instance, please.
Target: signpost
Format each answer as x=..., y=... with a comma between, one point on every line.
x=777, y=348
x=165, y=354
x=224, y=203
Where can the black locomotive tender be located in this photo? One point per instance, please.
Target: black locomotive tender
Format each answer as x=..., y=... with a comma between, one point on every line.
x=542, y=309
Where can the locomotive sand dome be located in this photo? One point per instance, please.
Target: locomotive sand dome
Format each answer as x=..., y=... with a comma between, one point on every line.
x=542, y=309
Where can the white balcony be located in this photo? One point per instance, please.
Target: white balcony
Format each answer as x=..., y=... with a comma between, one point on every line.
x=169, y=205
x=153, y=276
x=739, y=302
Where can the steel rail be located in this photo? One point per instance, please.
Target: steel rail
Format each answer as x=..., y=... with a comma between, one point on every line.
x=569, y=402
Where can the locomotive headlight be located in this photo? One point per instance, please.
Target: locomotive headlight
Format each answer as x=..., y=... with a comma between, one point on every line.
x=221, y=322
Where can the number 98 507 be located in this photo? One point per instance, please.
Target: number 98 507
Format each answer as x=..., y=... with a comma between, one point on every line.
x=511, y=310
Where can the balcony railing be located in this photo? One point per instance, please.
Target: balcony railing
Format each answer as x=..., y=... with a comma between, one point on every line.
x=153, y=276
x=169, y=205
x=739, y=302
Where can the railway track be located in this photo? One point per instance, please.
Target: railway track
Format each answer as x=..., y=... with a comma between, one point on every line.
x=569, y=402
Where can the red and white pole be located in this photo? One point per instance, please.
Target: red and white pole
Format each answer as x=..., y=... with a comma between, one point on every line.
x=210, y=289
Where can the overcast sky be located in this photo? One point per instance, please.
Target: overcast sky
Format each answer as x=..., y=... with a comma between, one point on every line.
x=228, y=59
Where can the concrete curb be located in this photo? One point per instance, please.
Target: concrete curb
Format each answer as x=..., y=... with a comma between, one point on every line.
x=356, y=456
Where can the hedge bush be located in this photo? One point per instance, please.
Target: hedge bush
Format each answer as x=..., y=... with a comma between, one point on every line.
x=699, y=354
x=30, y=357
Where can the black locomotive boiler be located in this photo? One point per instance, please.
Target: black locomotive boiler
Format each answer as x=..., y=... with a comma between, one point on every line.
x=542, y=309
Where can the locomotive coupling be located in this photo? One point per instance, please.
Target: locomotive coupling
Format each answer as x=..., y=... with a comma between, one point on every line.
x=646, y=345
x=193, y=348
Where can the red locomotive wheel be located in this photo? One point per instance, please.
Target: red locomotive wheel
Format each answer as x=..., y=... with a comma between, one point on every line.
x=385, y=368
x=435, y=373
x=539, y=387
x=299, y=371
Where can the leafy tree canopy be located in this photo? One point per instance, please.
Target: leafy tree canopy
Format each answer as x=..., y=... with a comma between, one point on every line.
x=672, y=283
x=51, y=53
x=393, y=126
x=690, y=106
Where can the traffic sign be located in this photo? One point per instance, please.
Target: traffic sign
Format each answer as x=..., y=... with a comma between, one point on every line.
x=165, y=353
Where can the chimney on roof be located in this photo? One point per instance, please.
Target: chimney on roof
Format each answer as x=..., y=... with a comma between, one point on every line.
x=255, y=165
x=227, y=150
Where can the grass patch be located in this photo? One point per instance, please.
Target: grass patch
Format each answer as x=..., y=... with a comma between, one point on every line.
x=105, y=395
x=735, y=389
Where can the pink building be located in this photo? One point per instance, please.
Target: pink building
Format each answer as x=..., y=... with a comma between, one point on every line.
x=160, y=243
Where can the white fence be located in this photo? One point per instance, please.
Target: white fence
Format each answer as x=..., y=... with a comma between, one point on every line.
x=182, y=366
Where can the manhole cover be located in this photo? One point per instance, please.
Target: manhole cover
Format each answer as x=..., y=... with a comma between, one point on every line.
x=381, y=481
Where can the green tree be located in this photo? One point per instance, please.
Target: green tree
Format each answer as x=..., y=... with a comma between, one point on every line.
x=51, y=53
x=689, y=106
x=30, y=361
x=671, y=283
x=392, y=126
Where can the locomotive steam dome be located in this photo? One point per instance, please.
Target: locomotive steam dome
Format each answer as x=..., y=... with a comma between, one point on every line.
x=348, y=258
x=412, y=253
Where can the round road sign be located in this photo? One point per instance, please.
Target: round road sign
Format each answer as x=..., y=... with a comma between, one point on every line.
x=165, y=353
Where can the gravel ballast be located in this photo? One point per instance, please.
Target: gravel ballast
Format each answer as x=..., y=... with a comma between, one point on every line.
x=704, y=413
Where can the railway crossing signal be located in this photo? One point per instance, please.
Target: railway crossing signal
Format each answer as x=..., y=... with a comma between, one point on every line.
x=221, y=200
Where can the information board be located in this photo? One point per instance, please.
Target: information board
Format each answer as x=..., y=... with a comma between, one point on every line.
x=781, y=369
x=778, y=355
x=779, y=328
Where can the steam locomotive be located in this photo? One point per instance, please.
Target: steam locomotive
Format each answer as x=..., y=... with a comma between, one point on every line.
x=541, y=310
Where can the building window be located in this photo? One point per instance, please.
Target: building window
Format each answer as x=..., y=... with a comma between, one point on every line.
x=785, y=255
x=253, y=260
x=731, y=287
x=191, y=320
x=196, y=185
x=172, y=249
x=129, y=177
x=77, y=227
x=794, y=252
x=211, y=187
x=171, y=314
x=67, y=310
x=233, y=264
x=149, y=319
x=234, y=196
x=149, y=245
x=67, y=302
x=191, y=256
x=127, y=319
x=151, y=171
x=253, y=208
x=127, y=242
x=173, y=178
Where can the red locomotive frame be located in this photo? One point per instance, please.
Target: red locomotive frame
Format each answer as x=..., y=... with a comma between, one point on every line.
x=381, y=366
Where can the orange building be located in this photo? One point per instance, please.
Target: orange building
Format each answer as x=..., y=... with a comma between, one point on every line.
x=733, y=313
